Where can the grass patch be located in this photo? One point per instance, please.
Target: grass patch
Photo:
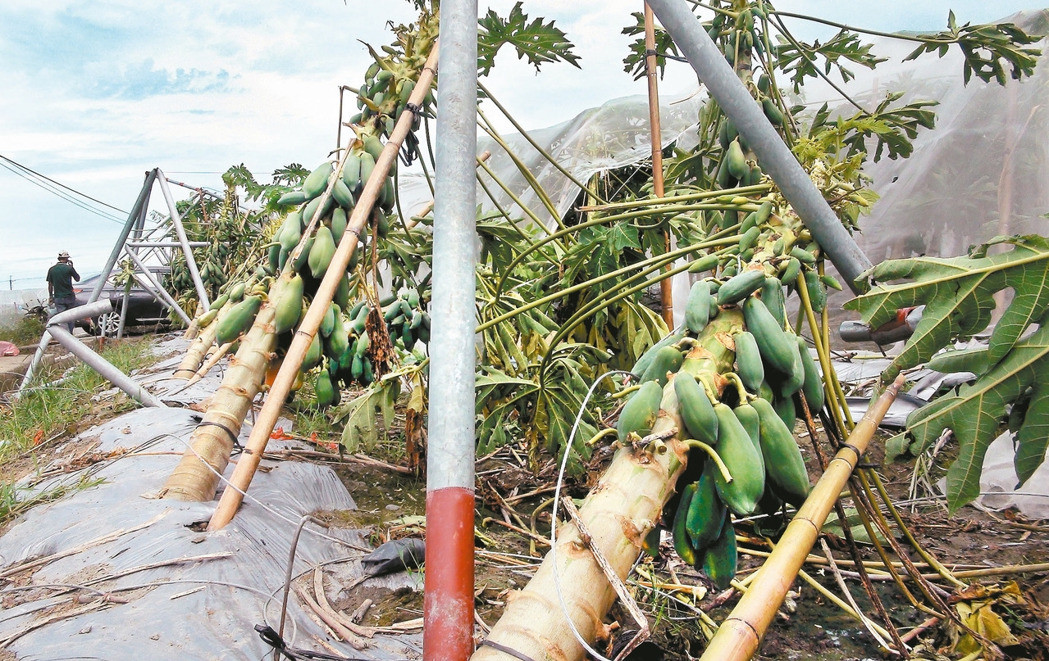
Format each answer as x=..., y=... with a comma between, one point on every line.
x=12, y=506
x=26, y=330
x=41, y=412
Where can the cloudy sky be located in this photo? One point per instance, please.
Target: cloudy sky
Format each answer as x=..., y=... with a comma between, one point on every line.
x=96, y=93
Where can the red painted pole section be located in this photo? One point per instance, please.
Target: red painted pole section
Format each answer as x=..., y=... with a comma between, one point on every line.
x=448, y=602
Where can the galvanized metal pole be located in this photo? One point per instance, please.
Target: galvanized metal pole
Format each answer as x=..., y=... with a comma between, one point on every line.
x=126, y=300
x=176, y=222
x=104, y=367
x=156, y=289
x=132, y=220
x=727, y=89
x=56, y=328
x=448, y=602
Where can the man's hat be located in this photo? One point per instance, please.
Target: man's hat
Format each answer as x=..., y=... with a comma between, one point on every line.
x=63, y=255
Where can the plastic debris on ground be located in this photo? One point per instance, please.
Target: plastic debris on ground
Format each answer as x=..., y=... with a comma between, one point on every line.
x=111, y=571
x=999, y=486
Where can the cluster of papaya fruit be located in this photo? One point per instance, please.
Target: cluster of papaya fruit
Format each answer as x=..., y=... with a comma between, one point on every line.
x=742, y=39
x=339, y=351
x=744, y=415
x=385, y=81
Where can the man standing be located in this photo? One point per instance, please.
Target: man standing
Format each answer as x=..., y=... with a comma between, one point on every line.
x=60, y=279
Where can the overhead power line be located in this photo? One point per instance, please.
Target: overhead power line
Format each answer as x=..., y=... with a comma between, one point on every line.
x=60, y=190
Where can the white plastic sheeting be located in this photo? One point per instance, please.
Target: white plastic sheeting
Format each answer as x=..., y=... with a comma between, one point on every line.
x=999, y=487
x=210, y=589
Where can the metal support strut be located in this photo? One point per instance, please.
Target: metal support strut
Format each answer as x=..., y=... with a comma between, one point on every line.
x=448, y=602
x=775, y=157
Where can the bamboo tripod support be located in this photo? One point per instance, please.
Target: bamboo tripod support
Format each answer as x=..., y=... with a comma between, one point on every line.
x=232, y=496
x=666, y=287
x=740, y=634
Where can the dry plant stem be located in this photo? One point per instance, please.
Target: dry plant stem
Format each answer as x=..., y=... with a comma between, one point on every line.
x=854, y=551
x=528, y=533
x=864, y=620
x=928, y=557
x=256, y=445
x=99, y=604
x=836, y=600
x=927, y=590
x=739, y=635
x=353, y=639
x=617, y=584
x=105, y=539
x=921, y=628
x=322, y=601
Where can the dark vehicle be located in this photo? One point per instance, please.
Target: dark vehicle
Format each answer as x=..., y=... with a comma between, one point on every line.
x=144, y=314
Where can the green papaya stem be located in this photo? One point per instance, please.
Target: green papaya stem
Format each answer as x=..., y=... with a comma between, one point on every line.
x=742, y=191
x=811, y=59
x=662, y=260
x=682, y=208
x=602, y=302
x=777, y=96
x=422, y=161
x=517, y=200
x=626, y=391
x=835, y=395
x=711, y=394
x=553, y=237
x=400, y=211
x=693, y=443
x=596, y=438
x=523, y=169
x=902, y=36
x=538, y=148
x=529, y=240
x=741, y=390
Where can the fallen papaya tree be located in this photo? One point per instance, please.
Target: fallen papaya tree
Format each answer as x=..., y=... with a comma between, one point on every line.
x=266, y=309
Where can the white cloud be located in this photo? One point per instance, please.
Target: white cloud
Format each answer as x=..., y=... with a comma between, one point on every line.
x=92, y=94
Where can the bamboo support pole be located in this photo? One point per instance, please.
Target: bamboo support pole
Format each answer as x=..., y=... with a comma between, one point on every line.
x=267, y=417
x=741, y=633
x=666, y=287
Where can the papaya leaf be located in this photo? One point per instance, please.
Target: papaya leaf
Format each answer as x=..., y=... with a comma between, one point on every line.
x=976, y=410
x=958, y=297
x=535, y=41
x=361, y=424
x=1033, y=435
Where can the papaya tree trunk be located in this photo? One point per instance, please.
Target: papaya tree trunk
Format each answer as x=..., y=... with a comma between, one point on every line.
x=197, y=474
x=618, y=513
x=197, y=351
